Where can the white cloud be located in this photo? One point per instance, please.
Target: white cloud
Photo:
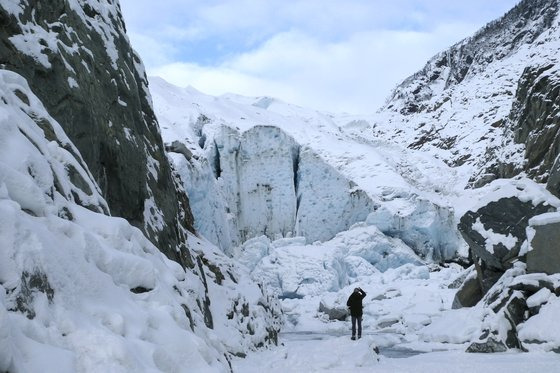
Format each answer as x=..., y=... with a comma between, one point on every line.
x=353, y=75
x=154, y=52
x=326, y=54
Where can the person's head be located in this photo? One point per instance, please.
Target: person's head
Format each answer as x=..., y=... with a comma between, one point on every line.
x=356, y=290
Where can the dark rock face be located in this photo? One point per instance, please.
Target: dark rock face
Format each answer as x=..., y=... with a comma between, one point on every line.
x=535, y=119
x=468, y=295
x=78, y=61
x=31, y=284
x=506, y=218
x=488, y=346
x=545, y=253
x=534, y=122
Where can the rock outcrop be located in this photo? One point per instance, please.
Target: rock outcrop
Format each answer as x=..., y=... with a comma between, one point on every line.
x=544, y=244
x=78, y=61
x=517, y=307
x=496, y=232
x=535, y=121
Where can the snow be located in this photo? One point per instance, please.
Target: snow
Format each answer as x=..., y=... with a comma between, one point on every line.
x=493, y=238
x=540, y=327
x=84, y=291
x=539, y=298
x=407, y=317
x=350, y=356
x=545, y=219
x=72, y=83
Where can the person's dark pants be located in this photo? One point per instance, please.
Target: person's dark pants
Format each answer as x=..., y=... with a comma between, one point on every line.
x=357, y=319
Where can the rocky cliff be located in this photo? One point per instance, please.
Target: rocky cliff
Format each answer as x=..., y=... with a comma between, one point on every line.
x=78, y=61
x=489, y=107
x=81, y=290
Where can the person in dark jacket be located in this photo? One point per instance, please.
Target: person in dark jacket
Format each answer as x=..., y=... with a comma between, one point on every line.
x=354, y=302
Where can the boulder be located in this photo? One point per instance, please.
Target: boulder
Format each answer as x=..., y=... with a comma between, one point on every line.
x=489, y=345
x=469, y=294
x=335, y=311
x=495, y=233
x=544, y=246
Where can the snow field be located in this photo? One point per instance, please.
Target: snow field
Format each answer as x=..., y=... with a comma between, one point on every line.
x=407, y=317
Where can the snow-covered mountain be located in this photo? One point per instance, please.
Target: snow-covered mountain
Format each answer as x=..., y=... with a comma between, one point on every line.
x=314, y=202
x=483, y=102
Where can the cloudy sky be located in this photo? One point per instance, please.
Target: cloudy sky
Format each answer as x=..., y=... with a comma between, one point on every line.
x=335, y=55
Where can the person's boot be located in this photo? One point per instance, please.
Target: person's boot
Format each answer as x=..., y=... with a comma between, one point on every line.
x=353, y=338
x=359, y=336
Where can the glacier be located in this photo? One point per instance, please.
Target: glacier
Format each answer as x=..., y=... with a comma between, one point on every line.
x=282, y=171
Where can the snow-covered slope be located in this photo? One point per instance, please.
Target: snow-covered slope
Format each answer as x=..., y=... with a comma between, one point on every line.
x=84, y=291
x=258, y=166
x=463, y=105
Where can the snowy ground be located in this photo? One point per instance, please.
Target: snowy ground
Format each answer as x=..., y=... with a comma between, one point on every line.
x=407, y=317
x=340, y=354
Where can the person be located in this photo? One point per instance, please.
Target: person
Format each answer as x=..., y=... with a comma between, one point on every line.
x=354, y=302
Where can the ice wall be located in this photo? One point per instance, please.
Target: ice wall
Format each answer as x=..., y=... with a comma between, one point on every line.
x=262, y=182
